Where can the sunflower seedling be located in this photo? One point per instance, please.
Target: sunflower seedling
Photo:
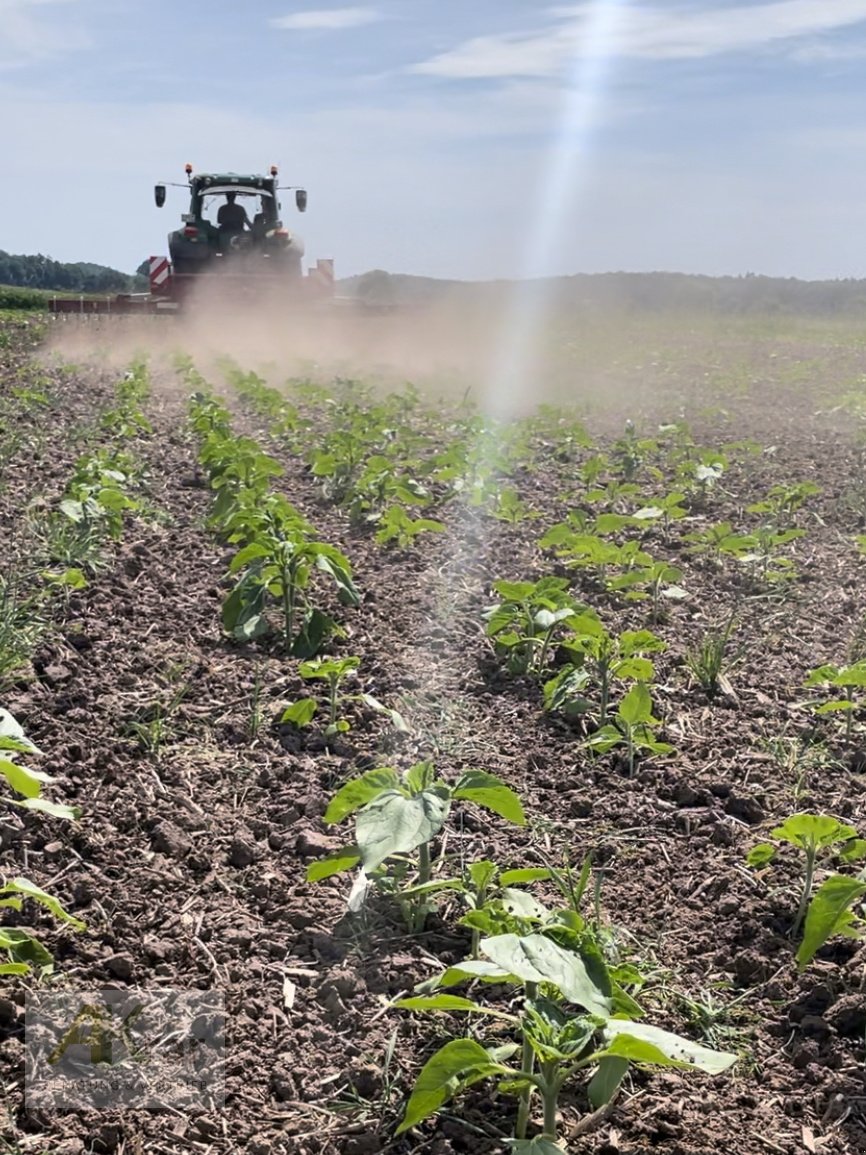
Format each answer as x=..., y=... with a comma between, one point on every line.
x=828, y=912
x=845, y=679
x=597, y=658
x=633, y=726
x=397, y=814
x=554, y=1042
x=333, y=671
x=523, y=624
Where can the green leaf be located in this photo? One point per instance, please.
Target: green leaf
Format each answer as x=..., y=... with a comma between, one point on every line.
x=490, y=792
x=11, y=729
x=243, y=609
x=836, y=706
x=481, y=874
x=317, y=628
x=537, y=959
x=522, y=905
x=853, y=851
x=394, y=824
x=30, y=890
x=644, y=1044
x=453, y=1067
x=761, y=855
x=330, y=561
x=22, y=947
x=828, y=914
x=419, y=777
x=14, y=968
x=521, y=877
x=481, y=969
x=397, y=719
x=636, y=706
x=22, y=780
x=606, y=1081
x=251, y=552
x=335, y=863
x=300, y=713
x=813, y=830
x=634, y=669
x=514, y=591
x=53, y=809
x=359, y=792
x=444, y=1003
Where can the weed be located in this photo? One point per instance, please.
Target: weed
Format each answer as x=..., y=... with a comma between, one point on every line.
x=707, y=660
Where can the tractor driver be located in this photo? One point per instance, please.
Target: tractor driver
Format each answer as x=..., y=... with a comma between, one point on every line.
x=232, y=217
x=260, y=220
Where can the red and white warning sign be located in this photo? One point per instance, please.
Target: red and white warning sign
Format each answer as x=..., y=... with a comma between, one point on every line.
x=160, y=272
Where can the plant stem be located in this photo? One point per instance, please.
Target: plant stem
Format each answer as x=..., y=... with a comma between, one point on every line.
x=811, y=854
x=288, y=608
x=527, y=1068
x=332, y=698
x=550, y=1096
x=605, y=691
x=542, y=657
x=424, y=862
x=419, y=904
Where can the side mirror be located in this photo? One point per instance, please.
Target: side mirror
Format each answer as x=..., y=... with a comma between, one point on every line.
x=301, y=200
x=159, y=195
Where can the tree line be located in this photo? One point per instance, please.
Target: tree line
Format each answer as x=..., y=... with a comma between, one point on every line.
x=40, y=272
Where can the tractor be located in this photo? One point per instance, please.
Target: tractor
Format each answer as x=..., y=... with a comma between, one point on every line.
x=232, y=240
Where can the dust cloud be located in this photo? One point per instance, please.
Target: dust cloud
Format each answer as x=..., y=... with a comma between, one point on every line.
x=449, y=347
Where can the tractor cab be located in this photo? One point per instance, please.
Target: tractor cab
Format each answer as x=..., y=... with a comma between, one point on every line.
x=233, y=225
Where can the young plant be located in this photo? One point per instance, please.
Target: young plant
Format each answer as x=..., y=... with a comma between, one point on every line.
x=333, y=671
x=783, y=500
x=398, y=814
x=557, y=971
x=25, y=780
x=96, y=497
x=336, y=671
x=633, y=726
x=523, y=624
x=21, y=625
x=660, y=581
x=20, y=946
x=494, y=899
x=509, y=508
x=596, y=659
x=848, y=680
x=152, y=726
x=395, y=525
x=707, y=659
x=277, y=564
x=665, y=509
x=828, y=911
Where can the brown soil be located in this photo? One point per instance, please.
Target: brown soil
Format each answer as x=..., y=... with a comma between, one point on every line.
x=188, y=865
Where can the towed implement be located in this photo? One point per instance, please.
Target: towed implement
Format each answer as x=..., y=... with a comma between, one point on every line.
x=231, y=245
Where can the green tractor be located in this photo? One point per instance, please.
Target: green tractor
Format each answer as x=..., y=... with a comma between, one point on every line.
x=233, y=231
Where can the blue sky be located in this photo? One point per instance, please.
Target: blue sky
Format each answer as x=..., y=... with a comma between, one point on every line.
x=453, y=138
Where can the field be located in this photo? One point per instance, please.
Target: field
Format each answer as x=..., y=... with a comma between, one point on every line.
x=694, y=489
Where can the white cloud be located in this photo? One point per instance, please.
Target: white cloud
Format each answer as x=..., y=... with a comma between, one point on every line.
x=28, y=35
x=327, y=19
x=613, y=28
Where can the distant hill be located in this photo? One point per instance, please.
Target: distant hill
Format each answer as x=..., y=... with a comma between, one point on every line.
x=630, y=291
x=39, y=272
